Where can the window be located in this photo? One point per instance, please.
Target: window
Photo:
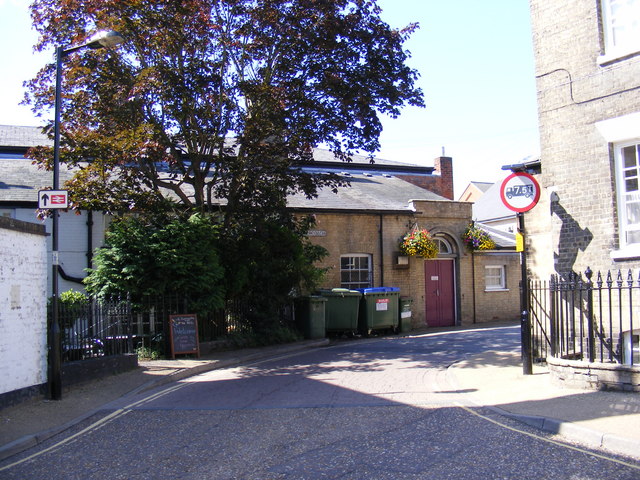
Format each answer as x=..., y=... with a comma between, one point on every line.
x=621, y=24
x=631, y=342
x=623, y=133
x=444, y=247
x=355, y=271
x=495, y=277
x=628, y=167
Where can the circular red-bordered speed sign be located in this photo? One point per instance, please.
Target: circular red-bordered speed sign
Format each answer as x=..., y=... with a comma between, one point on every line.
x=520, y=192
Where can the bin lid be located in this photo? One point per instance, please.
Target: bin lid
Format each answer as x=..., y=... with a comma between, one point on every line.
x=379, y=290
x=317, y=298
x=339, y=292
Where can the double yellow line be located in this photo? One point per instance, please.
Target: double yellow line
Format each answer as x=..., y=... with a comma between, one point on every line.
x=99, y=424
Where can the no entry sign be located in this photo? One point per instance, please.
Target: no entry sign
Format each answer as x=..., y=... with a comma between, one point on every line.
x=520, y=192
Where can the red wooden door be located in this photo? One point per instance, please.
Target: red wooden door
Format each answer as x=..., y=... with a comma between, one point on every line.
x=439, y=293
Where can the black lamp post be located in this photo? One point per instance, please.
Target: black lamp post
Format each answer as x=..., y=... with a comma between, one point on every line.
x=99, y=40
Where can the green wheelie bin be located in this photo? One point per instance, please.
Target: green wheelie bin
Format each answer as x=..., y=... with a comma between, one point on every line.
x=310, y=316
x=341, y=310
x=405, y=314
x=379, y=309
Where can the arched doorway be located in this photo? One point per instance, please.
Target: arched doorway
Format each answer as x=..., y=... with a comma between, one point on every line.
x=440, y=286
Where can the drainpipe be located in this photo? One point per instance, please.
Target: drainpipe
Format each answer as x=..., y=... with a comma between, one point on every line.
x=473, y=283
x=90, y=239
x=380, y=240
x=80, y=280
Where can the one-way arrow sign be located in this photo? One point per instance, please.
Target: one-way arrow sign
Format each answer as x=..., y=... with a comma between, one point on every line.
x=53, y=199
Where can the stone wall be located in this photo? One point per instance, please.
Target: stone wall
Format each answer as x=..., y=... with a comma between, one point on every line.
x=497, y=305
x=575, y=223
x=597, y=376
x=378, y=235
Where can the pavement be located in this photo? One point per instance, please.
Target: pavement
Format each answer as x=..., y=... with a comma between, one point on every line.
x=494, y=380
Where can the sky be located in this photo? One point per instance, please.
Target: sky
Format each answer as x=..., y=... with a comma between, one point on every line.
x=475, y=60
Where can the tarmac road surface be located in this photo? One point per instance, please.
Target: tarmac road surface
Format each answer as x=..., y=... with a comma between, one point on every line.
x=371, y=409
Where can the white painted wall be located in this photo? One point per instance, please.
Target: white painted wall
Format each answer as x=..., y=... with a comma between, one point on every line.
x=23, y=314
x=72, y=241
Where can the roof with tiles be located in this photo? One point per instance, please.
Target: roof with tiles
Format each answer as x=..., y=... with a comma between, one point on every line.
x=14, y=136
x=504, y=240
x=373, y=186
x=490, y=206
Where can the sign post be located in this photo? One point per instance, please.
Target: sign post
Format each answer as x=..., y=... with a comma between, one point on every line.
x=520, y=192
x=51, y=199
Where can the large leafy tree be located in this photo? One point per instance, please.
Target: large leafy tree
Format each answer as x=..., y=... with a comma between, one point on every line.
x=211, y=99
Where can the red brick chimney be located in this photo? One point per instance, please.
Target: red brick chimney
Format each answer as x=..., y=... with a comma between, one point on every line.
x=440, y=181
x=443, y=166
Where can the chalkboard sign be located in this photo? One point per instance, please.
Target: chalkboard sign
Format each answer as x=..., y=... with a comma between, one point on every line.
x=183, y=334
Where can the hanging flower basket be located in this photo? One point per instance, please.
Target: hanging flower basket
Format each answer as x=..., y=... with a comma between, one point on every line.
x=476, y=238
x=419, y=243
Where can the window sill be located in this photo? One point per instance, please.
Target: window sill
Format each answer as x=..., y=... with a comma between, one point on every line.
x=627, y=253
x=488, y=290
x=618, y=54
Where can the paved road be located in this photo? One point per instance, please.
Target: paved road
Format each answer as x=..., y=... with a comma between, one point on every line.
x=368, y=409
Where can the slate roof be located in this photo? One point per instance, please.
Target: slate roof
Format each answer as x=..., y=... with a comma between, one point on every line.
x=368, y=192
x=20, y=180
x=504, y=240
x=14, y=136
x=373, y=186
x=482, y=186
x=490, y=207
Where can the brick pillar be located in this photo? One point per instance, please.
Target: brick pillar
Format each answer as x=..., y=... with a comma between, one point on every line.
x=443, y=166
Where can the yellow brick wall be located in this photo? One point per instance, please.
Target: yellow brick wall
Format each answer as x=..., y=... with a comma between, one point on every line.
x=350, y=233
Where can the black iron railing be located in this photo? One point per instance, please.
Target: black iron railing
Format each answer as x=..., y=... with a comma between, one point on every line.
x=103, y=327
x=585, y=319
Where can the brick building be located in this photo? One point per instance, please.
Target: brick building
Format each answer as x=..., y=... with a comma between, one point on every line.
x=361, y=227
x=587, y=63
x=587, y=56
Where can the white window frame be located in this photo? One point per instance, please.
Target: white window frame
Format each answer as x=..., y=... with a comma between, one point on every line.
x=444, y=247
x=620, y=132
x=631, y=341
x=623, y=175
x=355, y=278
x=620, y=14
x=498, y=272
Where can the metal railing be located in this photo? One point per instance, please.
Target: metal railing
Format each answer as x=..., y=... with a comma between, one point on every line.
x=579, y=318
x=94, y=329
x=115, y=326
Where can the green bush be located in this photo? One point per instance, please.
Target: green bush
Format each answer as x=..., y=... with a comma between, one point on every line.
x=147, y=353
x=267, y=263
x=72, y=298
x=276, y=335
x=158, y=255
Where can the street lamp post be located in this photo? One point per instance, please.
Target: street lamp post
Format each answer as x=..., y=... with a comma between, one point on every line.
x=99, y=40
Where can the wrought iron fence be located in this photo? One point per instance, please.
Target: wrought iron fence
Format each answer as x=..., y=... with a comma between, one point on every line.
x=95, y=329
x=102, y=327
x=579, y=318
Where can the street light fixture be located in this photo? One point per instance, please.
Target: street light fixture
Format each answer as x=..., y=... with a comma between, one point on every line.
x=99, y=40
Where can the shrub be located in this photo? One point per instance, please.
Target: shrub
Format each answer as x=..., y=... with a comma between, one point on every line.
x=146, y=256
